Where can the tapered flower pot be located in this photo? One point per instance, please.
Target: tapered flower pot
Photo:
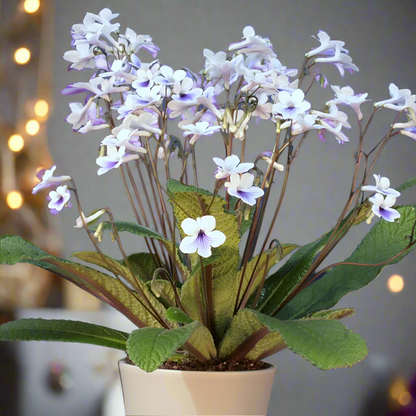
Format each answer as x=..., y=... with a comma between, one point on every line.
x=186, y=393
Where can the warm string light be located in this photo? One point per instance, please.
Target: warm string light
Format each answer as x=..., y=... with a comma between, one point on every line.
x=16, y=143
x=32, y=127
x=395, y=283
x=22, y=56
x=41, y=108
x=14, y=199
x=31, y=6
x=405, y=398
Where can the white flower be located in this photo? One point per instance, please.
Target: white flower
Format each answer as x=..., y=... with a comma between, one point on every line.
x=125, y=137
x=291, y=105
x=168, y=77
x=114, y=159
x=230, y=165
x=201, y=236
x=202, y=128
x=334, y=115
x=47, y=179
x=82, y=58
x=382, y=187
x=335, y=129
x=382, y=207
x=79, y=114
x=59, y=199
x=400, y=99
x=346, y=96
x=87, y=220
x=242, y=187
x=326, y=44
x=217, y=65
x=340, y=60
x=253, y=43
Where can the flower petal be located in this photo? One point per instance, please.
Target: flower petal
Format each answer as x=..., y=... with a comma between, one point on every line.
x=216, y=238
x=206, y=223
x=189, y=245
x=190, y=226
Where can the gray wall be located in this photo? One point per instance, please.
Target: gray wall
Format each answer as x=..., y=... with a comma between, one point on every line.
x=381, y=38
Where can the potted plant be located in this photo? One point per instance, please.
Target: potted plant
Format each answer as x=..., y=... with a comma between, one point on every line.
x=203, y=299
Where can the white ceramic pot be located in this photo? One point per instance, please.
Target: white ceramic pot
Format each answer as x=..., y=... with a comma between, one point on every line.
x=186, y=393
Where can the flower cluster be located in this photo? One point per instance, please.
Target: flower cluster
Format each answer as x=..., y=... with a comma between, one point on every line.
x=382, y=207
x=134, y=100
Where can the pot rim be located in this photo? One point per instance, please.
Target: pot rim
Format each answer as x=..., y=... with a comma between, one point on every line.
x=271, y=367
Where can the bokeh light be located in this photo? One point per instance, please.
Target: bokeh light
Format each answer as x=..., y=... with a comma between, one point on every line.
x=31, y=6
x=16, y=143
x=14, y=199
x=405, y=398
x=22, y=56
x=41, y=108
x=395, y=283
x=32, y=127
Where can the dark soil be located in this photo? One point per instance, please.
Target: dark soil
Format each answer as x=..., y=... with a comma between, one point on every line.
x=217, y=365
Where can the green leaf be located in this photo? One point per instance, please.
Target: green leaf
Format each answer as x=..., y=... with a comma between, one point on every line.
x=195, y=202
x=202, y=340
x=383, y=242
x=62, y=331
x=148, y=348
x=327, y=344
x=176, y=315
x=142, y=265
x=244, y=324
x=281, y=283
x=16, y=250
x=268, y=259
x=411, y=182
x=147, y=232
x=334, y=314
x=163, y=291
x=108, y=263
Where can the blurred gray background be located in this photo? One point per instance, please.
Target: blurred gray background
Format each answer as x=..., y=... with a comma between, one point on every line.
x=380, y=36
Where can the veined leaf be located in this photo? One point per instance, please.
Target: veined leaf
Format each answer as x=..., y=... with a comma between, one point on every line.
x=267, y=260
x=16, y=250
x=163, y=291
x=281, y=283
x=327, y=344
x=407, y=184
x=202, y=340
x=176, y=315
x=241, y=335
x=108, y=263
x=148, y=348
x=195, y=202
x=147, y=232
x=142, y=265
x=62, y=331
x=383, y=242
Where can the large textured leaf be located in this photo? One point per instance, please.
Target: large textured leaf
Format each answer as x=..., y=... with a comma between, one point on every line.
x=246, y=323
x=407, y=184
x=383, y=242
x=267, y=260
x=108, y=263
x=16, y=250
x=163, y=291
x=224, y=270
x=202, y=340
x=142, y=265
x=327, y=344
x=62, y=331
x=148, y=348
x=281, y=283
x=147, y=232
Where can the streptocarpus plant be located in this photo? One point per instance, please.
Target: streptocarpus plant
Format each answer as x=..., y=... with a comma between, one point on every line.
x=199, y=293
